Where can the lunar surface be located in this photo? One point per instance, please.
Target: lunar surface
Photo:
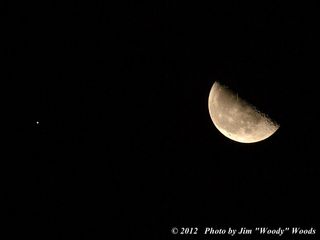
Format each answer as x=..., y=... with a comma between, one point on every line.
x=237, y=119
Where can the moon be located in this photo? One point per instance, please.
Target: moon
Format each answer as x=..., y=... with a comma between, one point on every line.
x=237, y=119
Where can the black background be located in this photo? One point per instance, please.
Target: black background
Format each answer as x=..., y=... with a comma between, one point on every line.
x=125, y=143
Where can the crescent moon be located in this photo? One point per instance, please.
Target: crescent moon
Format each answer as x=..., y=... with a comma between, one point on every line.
x=237, y=119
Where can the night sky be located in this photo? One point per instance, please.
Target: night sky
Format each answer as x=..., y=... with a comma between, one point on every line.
x=125, y=142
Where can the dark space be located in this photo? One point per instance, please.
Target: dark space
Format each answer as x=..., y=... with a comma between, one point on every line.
x=125, y=144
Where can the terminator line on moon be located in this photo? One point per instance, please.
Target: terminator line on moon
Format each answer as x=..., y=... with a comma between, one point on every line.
x=237, y=119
